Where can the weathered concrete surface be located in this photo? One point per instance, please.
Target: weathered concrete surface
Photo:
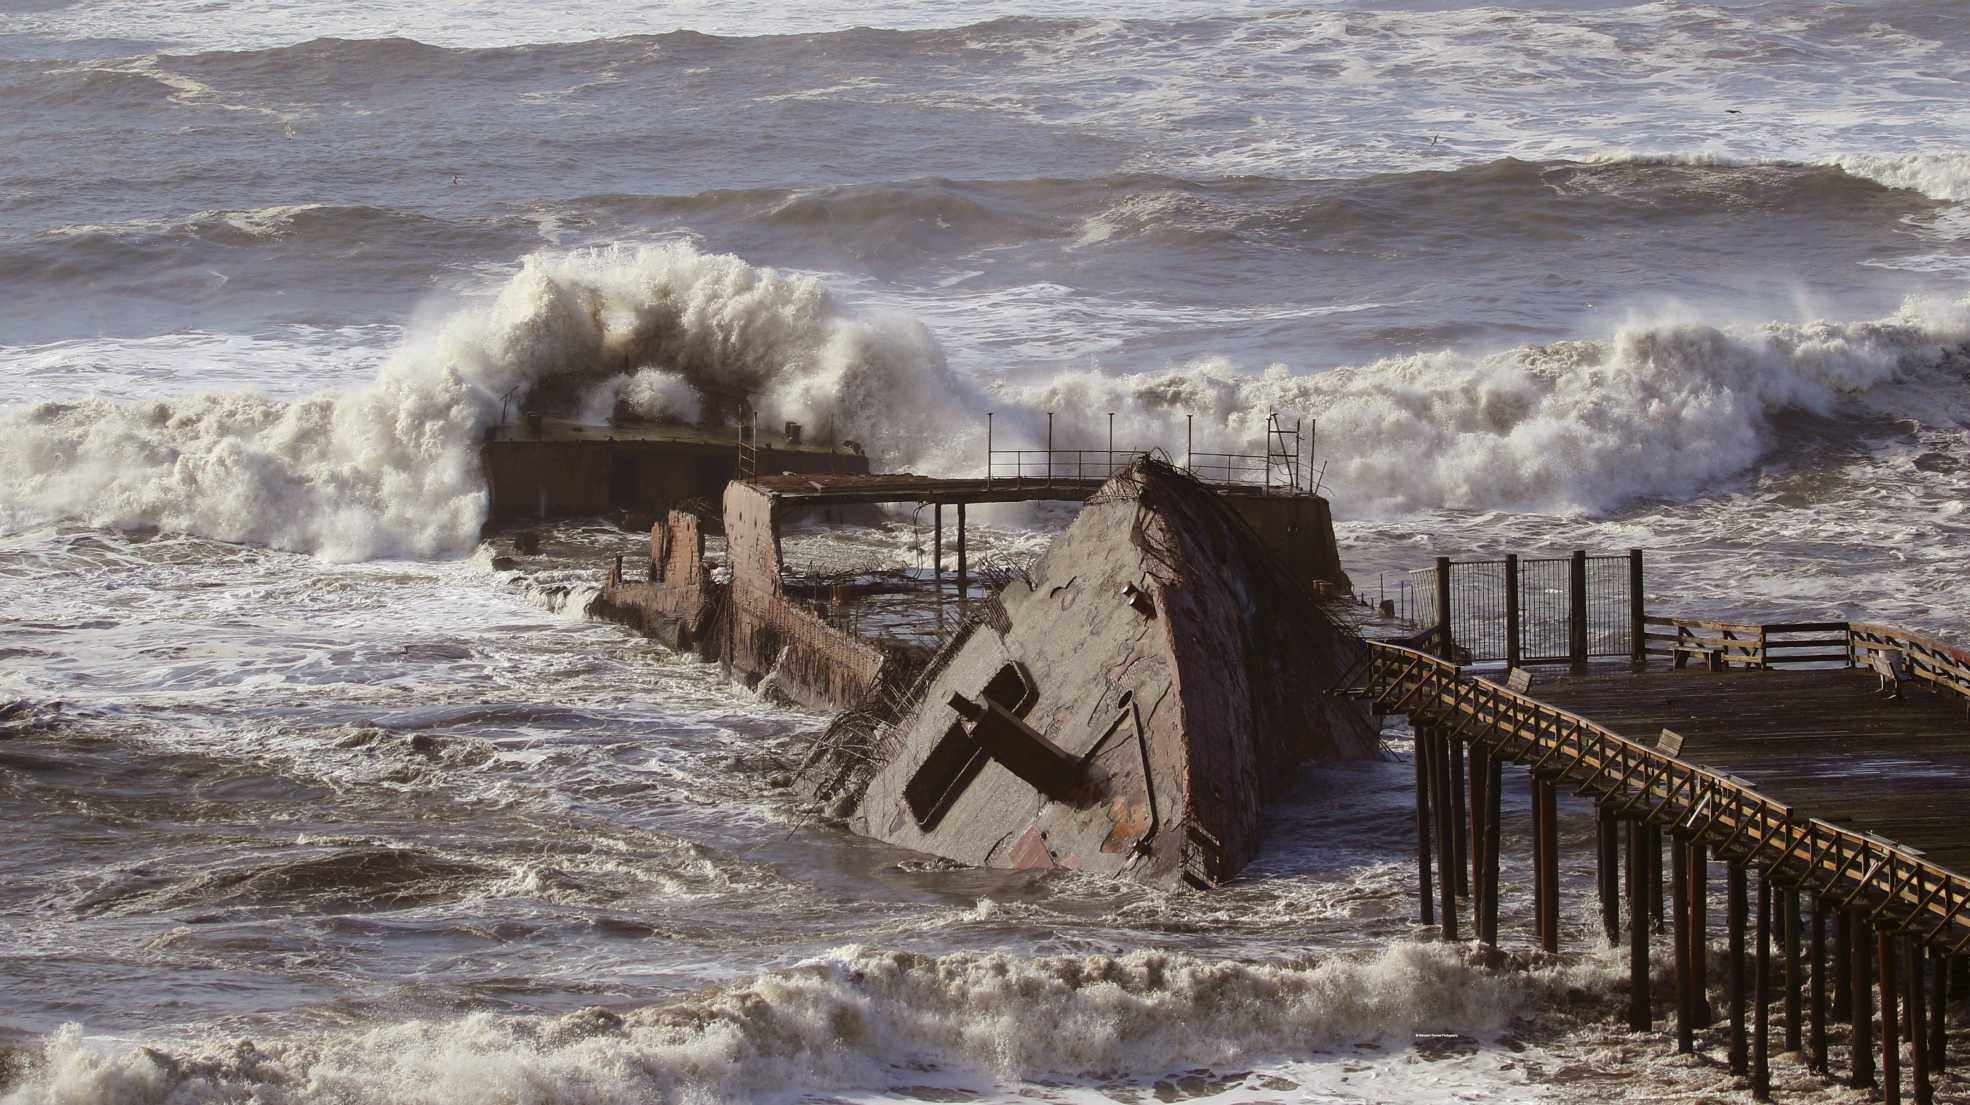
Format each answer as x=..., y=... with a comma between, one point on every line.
x=1171, y=655
x=674, y=604
x=1299, y=529
x=809, y=661
x=567, y=471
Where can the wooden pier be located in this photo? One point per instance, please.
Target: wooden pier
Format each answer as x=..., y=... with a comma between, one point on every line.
x=1824, y=765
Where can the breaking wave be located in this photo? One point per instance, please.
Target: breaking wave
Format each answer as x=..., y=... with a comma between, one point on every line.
x=851, y=1018
x=392, y=468
x=1664, y=407
x=1939, y=176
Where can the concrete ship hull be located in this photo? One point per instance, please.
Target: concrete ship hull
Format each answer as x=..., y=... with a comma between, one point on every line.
x=1127, y=707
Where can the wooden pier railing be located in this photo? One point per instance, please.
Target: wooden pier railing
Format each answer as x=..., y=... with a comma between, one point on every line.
x=1908, y=655
x=1896, y=885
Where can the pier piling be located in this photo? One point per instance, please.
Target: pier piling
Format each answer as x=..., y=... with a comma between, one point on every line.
x=1493, y=794
x=1426, y=889
x=1891, y=1048
x=1795, y=1038
x=1546, y=863
x=1860, y=1001
x=1735, y=909
x=1446, y=831
x=1638, y=928
x=1685, y=973
x=1458, y=859
x=1918, y=1023
x=1607, y=854
x=1700, y=931
x=1817, y=1059
x=1761, y=999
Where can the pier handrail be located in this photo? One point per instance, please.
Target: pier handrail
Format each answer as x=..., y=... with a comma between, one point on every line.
x=1895, y=882
x=1923, y=658
x=1927, y=659
x=1767, y=645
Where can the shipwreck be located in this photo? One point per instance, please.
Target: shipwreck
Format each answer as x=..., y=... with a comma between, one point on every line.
x=1125, y=705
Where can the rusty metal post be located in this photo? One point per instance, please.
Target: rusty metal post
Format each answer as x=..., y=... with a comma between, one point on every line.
x=1679, y=890
x=963, y=575
x=1444, y=647
x=1514, y=650
x=1576, y=612
x=1860, y=1003
x=1761, y=999
x=988, y=448
x=1427, y=889
x=1638, y=646
x=1795, y=1039
x=1638, y=928
x=1111, y=446
x=1891, y=1045
x=1736, y=907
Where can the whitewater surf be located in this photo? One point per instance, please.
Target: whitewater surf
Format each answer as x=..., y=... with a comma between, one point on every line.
x=313, y=797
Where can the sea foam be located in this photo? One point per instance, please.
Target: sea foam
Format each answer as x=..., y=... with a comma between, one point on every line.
x=852, y=1018
x=391, y=468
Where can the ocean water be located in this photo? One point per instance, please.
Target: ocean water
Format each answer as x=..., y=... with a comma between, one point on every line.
x=307, y=801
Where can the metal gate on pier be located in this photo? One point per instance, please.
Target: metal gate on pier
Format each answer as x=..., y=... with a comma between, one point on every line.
x=1532, y=610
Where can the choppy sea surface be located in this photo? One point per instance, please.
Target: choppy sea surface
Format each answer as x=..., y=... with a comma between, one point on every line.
x=304, y=800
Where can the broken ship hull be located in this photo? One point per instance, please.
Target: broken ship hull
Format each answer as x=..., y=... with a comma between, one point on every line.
x=1127, y=708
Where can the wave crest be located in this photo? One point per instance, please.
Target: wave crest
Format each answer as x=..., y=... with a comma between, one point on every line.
x=392, y=468
x=852, y=1018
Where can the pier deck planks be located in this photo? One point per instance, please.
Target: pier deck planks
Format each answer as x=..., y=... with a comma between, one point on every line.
x=1819, y=740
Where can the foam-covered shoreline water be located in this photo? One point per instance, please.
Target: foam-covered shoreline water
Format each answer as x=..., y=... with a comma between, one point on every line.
x=853, y=1019
x=312, y=798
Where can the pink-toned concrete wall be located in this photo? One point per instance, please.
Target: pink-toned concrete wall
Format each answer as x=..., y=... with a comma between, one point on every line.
x=814, y=663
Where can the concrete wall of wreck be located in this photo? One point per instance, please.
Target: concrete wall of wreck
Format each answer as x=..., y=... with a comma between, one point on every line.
x=1299, y=529
x=529, y=480
x=670, y=598
x=1248, y=685
x=812, y=662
